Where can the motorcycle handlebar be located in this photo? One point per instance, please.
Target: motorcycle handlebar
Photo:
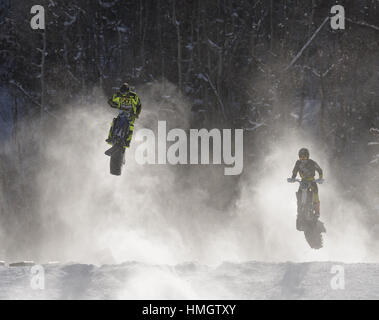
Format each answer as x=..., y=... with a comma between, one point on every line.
x=319, y=181
x=121, y=107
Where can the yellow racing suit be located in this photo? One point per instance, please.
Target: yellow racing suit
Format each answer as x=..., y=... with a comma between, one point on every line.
x=124, y=102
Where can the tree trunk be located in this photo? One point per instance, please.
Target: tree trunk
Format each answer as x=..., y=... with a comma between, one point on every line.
x=161, y=43
x=190, y=64
x=179, y=45
x=43, y=87
x=322, y=107
x=15, y=121
x=120, y=66
x=271, y=26
x=142, y=31
x=301, y=113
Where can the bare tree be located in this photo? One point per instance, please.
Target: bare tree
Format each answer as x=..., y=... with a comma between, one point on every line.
x=179, y=44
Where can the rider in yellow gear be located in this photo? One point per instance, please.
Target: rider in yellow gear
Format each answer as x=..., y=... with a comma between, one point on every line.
x=130, y=105
x=307, y=169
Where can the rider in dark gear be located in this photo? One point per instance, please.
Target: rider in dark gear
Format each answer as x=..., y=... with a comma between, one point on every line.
x=125, y=97
x=307, y=169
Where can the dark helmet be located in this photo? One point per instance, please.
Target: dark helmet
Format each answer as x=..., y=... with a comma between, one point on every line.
x=304, y=152
x=124, y=89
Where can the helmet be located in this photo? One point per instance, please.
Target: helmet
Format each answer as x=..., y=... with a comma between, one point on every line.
x=304, y=152
x=124, y=89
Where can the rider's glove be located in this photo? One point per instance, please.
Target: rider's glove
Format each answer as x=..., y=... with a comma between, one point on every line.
x=320, y=181
x=112, y=103
x=290, y=180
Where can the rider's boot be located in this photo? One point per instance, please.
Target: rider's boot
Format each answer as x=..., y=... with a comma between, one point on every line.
x=299, y=224
x=126, y=145
x=320, y=225
x=317, y=209
x=110, y=133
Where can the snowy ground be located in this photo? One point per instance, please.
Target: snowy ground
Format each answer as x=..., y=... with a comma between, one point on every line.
x=250, y=280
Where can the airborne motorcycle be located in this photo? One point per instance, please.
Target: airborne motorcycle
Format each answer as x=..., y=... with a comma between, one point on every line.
x=307, y=220
x=119, y=133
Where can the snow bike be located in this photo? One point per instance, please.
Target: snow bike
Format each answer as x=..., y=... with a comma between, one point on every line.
x=307, y=219
x=119, y=133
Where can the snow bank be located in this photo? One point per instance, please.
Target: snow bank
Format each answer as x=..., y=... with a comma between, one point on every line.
x=249, y=280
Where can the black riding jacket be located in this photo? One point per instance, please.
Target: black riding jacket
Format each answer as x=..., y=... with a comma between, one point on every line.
x=307, y=169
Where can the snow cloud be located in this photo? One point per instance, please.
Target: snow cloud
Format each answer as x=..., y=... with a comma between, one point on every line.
x=164, y=214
